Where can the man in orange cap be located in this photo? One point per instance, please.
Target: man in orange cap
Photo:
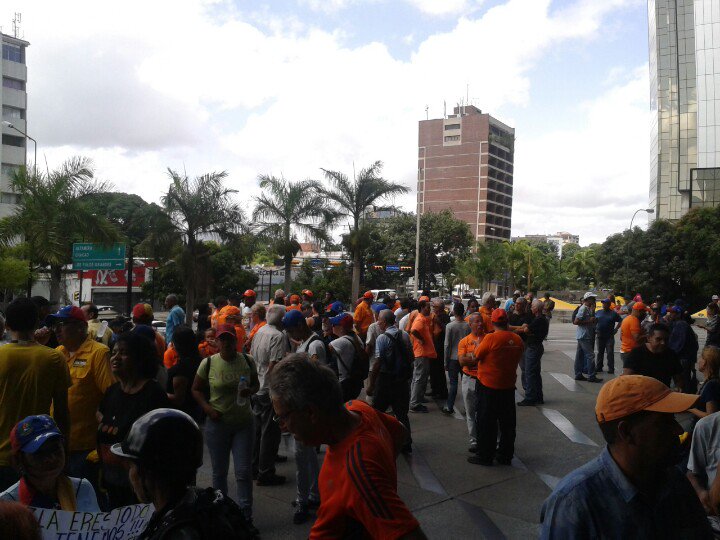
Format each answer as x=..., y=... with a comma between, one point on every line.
x=294, y=303
x=307, y=295
x=631, y=332
x=633, y=488
x=249, y=298
x=363, y=316
x=497, y=358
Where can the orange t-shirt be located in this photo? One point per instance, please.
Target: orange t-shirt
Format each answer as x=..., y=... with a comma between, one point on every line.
x=363, y=317
x=358, y=481
x=293, y=306
x=629, y=326
x=498, y=357
x=423, y=326
x=214, y=317
x=206, y=349
x=170, y=358
x=235, y=314
x=467, y=345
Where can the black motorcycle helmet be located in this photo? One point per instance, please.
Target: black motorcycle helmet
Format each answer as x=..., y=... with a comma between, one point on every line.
x=163, y=440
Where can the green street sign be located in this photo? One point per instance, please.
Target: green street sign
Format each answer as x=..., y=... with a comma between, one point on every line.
x=93, y=256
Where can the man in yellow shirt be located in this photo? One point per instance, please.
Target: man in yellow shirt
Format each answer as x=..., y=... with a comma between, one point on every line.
x=363, y=316
x=32, y=378
x=89, y=365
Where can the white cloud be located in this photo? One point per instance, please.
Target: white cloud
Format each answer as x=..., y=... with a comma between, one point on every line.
x=441, y=7
x=198, y=85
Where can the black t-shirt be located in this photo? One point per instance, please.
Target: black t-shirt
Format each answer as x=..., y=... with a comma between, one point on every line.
x=515, y=319
x=710, y=392
x=539, y=328
x=659, y=366
x=185, y=367
x=120, y=410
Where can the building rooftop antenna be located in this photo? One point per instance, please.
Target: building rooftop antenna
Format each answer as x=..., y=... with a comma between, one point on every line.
x=17, y=19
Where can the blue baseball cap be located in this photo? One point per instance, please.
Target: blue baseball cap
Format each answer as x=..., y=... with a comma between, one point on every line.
x=292, y=318
x=344, y=319
x=32, y=432
x=377, y=308
x=337, y=307
x=67, y=313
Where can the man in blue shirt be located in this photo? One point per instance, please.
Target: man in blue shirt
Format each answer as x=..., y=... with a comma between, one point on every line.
x=633, y=488
x=585, y=335
x=175, y=318
x=607, y=325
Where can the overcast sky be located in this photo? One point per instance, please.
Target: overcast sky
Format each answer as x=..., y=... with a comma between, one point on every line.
x=286, y=87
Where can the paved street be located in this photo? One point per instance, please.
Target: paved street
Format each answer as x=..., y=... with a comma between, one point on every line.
x=454, y=499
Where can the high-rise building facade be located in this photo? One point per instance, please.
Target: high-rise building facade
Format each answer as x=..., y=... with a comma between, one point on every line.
x=465, y=164
x=13, y=95
x=684, y=47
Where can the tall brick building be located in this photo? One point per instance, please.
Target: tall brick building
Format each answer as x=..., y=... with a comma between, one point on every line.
x=465, y=163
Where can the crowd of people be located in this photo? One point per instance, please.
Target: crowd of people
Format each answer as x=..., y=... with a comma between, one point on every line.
x=96, y=416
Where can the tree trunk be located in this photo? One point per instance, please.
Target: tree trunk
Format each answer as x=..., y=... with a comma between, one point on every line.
x=55, y=279
x=288, y=275
x=190, y=282
x=355, y=294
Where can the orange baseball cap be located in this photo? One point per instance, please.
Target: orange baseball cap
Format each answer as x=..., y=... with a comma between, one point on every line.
x=249, y=293
x=294, y=298
x=308, y=292
x=423, y=299
x=499, y=316
x=368, y=294
x=639, y=306
x=629, y=394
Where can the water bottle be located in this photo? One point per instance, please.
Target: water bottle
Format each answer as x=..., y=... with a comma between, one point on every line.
x=242, y=385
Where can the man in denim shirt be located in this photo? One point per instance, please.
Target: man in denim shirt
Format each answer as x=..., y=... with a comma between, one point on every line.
x=585, y=335
x=608, y=324
x=633, y=488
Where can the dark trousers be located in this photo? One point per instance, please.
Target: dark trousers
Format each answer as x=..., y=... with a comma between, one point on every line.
x=531, y=376
x=390, y=392
x=438, y=382
x=605, y=347
x=350, y=389
x=495, y=410
x=267, y=436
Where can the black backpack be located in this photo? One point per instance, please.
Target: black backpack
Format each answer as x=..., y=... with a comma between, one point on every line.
x=402, y=362
x=361, y=361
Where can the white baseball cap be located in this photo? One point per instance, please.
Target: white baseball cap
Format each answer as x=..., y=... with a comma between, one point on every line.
x=589, y=294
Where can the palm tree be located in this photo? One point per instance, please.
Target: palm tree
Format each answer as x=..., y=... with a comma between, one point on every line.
x=53, y=212
x=352, y=200
x=583, y=266
x=287, y=207
x=200, y=208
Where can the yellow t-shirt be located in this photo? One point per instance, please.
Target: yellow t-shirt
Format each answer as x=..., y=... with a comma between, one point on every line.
x=29, y=376
x=91, y=375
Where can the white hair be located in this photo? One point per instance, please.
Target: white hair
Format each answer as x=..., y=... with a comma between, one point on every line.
x=487, y=296
x=275, y=314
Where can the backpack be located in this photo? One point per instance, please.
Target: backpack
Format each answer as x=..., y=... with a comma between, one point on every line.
x=402, y=362
x=361, y=361
x=575, y=313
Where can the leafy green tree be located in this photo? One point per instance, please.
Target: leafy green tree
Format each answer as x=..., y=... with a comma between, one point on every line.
x=582, y=267
x=286, y=207
x=54, y=212
x=200, y=208
x=352, y=200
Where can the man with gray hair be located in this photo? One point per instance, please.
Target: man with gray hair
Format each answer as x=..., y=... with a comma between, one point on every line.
x=358, y=479
x=486, y=310
x=389, y=382
x=269, y=346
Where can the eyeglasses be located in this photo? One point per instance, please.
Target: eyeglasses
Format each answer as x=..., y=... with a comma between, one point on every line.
x=282, y=418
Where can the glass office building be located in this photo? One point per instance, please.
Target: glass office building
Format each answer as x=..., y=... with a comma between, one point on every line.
x=684, y=47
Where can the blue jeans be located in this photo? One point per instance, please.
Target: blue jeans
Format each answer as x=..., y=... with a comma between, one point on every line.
x=585, y=358
x=308, y=469
x=453, y=370
x=221, y=440
x=531, y=377
x=605, y=345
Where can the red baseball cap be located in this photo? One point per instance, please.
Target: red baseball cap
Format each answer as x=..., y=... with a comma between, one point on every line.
x=308, y=292
x=225, y=329
x=249, y=292
x=142, y=310
x=499, y=316
x=368, y=295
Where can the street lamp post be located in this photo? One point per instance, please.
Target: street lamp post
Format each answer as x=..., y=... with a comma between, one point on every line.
x=12, y=126
x=627, y=249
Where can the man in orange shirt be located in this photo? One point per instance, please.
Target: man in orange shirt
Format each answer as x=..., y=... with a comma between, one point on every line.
x=486, y=310
x=497, y=358
x=358, y=478
x=631, y=333
x=294, y=303
x=466, y=352
x=424, y=351
x=363, y=316
x=220, y=302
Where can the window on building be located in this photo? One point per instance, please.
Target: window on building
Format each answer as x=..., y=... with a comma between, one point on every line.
x=450, y=138
x=15, y=84
x=452, y=126
x=14, y=53
x=7, y=170
x=13, y=113
x=12, y=140
x=9, y=198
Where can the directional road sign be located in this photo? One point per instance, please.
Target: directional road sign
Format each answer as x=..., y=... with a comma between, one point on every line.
x=94, y=256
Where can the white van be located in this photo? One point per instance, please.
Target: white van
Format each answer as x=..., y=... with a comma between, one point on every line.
x=379, y=294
